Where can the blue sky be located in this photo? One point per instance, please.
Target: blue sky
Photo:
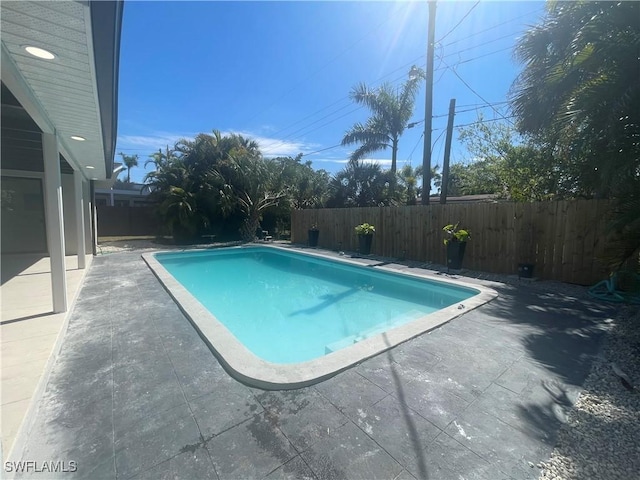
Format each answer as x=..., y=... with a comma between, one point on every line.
x=281, y=72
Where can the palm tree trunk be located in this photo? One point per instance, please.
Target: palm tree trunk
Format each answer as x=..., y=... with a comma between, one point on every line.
x=249, y=227
x=394, y=155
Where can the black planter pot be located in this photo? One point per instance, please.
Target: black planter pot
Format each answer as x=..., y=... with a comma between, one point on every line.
x=313, y=237
x=455, y=254
x=365, y=244
x=525, y=270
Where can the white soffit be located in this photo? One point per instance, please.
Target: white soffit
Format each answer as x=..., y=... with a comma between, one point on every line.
x=65, y=87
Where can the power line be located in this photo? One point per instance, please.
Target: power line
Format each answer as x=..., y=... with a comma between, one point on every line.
x=510, y=35
x=322, y=150
x=476, y=93
x=486, y=121
x=458, y=24
x=528, y=14
x=416, y=146
x=286, y=137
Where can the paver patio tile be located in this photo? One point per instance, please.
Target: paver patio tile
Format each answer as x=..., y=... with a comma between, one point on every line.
x=472, y=335
x=77, y=382
x=382, y=371
x=250, y=450
x=499, y=443
x=405, y=475
x=156, y=439
x=446, y=459
x=524, y=374
x=190, y=465
x=350, y=391
x=198, y=371
x=230, y=404
x=294, y=469
x=83, y=434
x=399, y=430
x=539, y=411
x=304, y=416
x=434, y=403
x=469, y=383
x=349, y=453
x=142, y=389
x=136, y=346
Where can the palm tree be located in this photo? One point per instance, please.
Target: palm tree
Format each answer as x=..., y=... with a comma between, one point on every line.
x=579, y=88
x=408, y=178
x=251, y=184
x=391, y=108
x=129, y=161
x=362, y=185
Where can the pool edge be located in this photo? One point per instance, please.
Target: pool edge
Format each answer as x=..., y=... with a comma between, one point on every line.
x=245, y=366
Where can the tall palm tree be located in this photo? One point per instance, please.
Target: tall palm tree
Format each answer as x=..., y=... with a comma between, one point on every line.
x=391, y=110
x=129, y=161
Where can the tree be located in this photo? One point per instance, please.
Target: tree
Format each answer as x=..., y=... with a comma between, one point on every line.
x=251, y=184
x=504, y=163
x=391, y=108
x=306, y=187
x=129, y=161
x=408, y=178
x=579, y=90
x=362, y=185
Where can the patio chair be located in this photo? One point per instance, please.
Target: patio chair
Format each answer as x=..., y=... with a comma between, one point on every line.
x=607, y=290
x=263, y=235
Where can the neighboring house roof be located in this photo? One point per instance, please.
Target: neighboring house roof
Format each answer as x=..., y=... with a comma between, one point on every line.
x=483, y=198
x=75, y=93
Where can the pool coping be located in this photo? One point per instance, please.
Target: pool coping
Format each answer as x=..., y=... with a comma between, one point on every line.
x=252, y=370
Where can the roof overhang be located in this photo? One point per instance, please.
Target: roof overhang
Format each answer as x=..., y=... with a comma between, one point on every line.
x=76, y=93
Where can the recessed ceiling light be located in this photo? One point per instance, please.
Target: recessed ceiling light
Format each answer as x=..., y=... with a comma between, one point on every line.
x=94, y=178
x=78, y=138
x=40, y=52
x=90, y=167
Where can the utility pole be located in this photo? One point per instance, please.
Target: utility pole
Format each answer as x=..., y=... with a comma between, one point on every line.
x=447, y=153
x=428, y=108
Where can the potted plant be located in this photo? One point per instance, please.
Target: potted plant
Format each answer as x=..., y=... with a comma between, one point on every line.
x=313, y=233
x=456, y=242
x=365, y=237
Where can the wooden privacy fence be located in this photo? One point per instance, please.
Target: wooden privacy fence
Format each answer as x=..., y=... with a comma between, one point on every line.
x=122, y=221
x=562, y=239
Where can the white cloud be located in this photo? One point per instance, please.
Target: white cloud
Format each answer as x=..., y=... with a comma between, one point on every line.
x=274, y=147
x=270, y=146
x=379, y=161
x=151, y=142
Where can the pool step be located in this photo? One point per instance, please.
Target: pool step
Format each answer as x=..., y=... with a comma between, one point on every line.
x=351, y=339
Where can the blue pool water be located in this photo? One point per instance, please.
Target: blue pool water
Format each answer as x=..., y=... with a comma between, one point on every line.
x=288, y=308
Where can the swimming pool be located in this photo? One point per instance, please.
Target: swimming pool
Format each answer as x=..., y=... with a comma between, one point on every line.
x=280, y=318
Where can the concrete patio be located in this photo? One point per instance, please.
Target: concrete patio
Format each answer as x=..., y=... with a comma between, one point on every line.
x=135, y=393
